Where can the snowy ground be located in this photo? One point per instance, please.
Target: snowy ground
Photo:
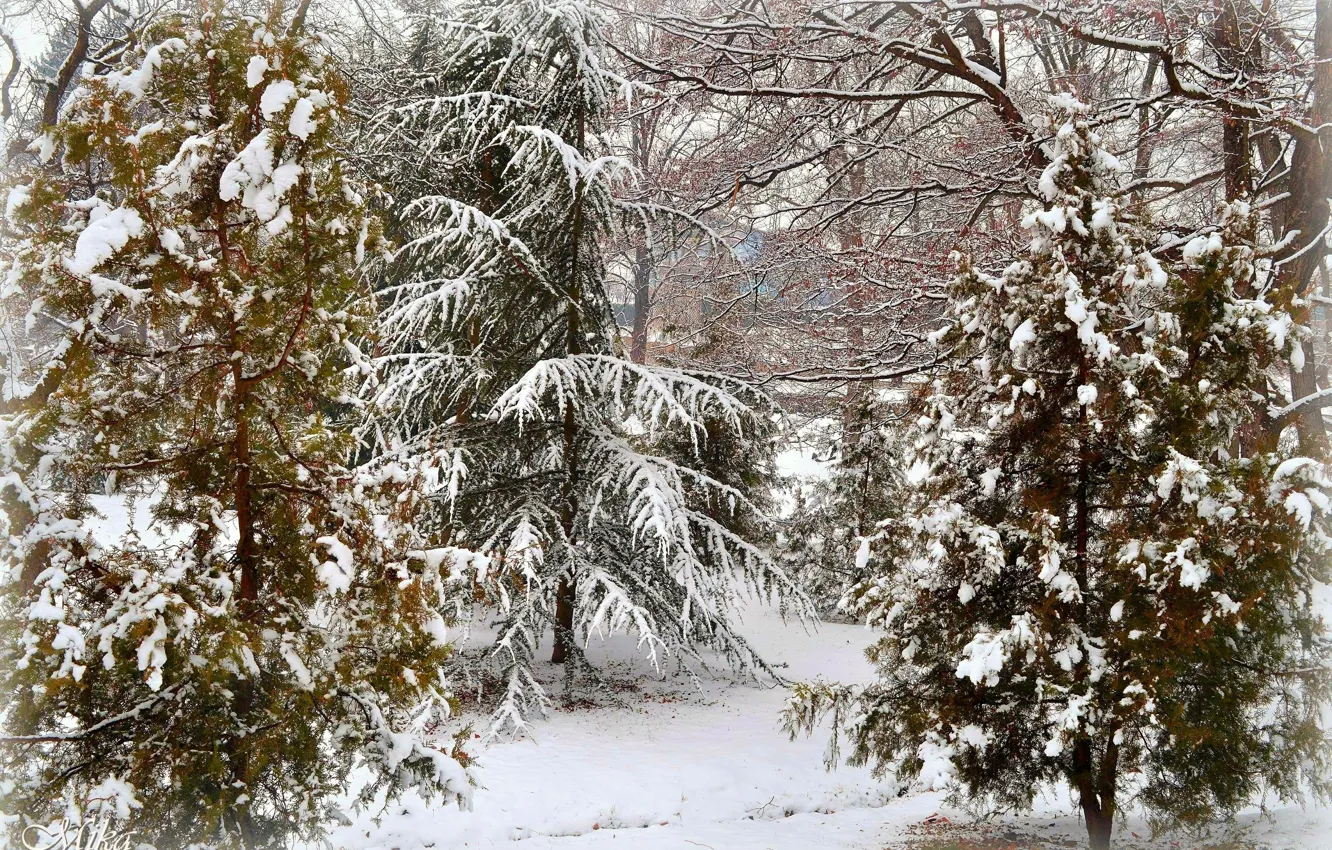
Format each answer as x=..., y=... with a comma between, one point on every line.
x=680, y=767
x=672, y=764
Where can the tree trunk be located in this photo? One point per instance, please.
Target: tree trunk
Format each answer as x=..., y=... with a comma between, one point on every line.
x=851, y=236
x=1081, y=507
x=245, y=554
x=564, y=611
x=247, y=561
x=857, y=391
x=57, y=87
x=1097, y=803
x=1143, y=156
x=1309, y=423
x=1096, y=793
x=237, y=744
x=564, y=595
x=642, y=303
x=1307, y=211
x=1099, y=827
x=641, y=138
x=1234, y=53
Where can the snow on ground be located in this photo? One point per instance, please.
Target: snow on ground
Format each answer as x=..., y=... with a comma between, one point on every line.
x=676, y=767
x=675, y=764
x=676, y=760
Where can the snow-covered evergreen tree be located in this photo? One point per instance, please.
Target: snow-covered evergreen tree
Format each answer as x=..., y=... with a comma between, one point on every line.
x=823, y=544
x=207, y=618
x=562, y=501
x=1111, y=571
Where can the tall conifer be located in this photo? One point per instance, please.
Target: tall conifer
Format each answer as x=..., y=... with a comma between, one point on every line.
x=563, y=500
x=1109, y=580
x=189, y=271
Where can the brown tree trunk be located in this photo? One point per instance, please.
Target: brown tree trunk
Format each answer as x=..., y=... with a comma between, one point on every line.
x=245, y=554
x=564, y=611
x=857, y=391
x=1308, y=423
x=564, y=594
x=247, y=561
x=1307, y=212
x=1081, y=508
x=642, y=303
x=237, y=743
x=1099, y=827
x=641, y=140
x=1143, y=156
x=1096, y=791
x=1231, y=48
x=59, y=85
x=1235, y=157
x=1096, y=788
x=851, y=235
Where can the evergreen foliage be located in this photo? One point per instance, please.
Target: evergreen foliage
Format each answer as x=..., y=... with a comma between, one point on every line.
x=188, y=269
x=1110, y=569
x=824, y=544
x=564, y=502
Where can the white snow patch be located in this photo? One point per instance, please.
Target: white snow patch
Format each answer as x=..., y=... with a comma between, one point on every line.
x=107, y=232
x=18, y=197
x=136, y=82
x=680, y=764
x=113, y=795
x=252, y=178
x=337, y=573
x=254, y=72
x=1023, y=336
x=302, y=124
x=276, y=97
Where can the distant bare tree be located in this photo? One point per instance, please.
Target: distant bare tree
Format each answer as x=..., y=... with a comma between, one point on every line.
x=867, y=141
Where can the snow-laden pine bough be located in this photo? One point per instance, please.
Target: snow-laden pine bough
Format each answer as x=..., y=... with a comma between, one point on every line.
x=1108, y=573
